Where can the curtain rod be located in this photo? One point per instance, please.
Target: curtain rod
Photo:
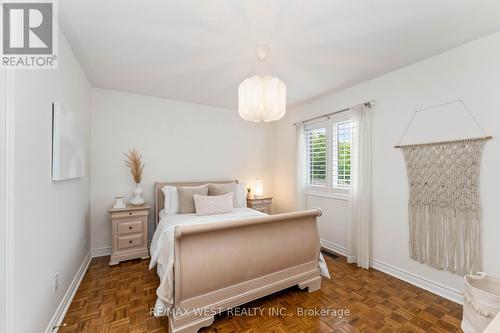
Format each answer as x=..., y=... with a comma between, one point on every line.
x=369, y=104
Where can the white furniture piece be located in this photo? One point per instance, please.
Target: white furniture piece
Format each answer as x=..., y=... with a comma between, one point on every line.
x=129, y=232
x=221, y=265
x=494, y=326
x=262, y=204
x=481, y=303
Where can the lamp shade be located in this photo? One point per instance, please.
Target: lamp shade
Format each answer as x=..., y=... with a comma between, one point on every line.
x=259, y=187
x=262, y=98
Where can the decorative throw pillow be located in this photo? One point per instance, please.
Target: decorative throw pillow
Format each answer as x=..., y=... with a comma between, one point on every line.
x=186, y=202
x=211, y=205
x=238, y=190
x=171, y=203
x=220, y=189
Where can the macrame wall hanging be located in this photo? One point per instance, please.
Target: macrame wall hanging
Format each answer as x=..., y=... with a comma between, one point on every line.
x=444, y=208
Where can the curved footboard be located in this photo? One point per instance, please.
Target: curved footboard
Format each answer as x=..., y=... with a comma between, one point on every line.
x=222, y=265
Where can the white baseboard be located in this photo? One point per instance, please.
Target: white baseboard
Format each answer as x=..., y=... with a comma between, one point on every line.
x=419, y=281
x=101, y=252
x=334, y=247
x=68, y=296
x=416, y=280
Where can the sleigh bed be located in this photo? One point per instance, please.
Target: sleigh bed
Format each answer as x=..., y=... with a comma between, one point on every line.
x=226, y=260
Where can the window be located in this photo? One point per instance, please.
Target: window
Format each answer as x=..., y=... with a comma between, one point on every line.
x=316, y=156
x=328, y=154
x=341, y=153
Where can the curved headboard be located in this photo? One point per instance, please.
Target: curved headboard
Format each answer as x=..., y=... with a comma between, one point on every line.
x=160, y=200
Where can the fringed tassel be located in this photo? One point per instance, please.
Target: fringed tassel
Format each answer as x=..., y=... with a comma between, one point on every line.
x=445, y=238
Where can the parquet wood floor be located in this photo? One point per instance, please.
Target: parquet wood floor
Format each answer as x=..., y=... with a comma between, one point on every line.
x=118, y=299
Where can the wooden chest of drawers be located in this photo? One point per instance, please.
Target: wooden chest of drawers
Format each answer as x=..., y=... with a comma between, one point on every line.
x=129, y=232
x=262, y=204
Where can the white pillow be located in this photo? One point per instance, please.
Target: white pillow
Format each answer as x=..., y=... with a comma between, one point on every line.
x=241, y=195
x=171, y=204
x=213, y=204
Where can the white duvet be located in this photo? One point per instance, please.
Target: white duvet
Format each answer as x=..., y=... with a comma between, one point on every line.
x=164, y=237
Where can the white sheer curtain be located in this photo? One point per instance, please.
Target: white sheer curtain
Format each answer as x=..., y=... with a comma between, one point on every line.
x=360, y=203
x=301, y=165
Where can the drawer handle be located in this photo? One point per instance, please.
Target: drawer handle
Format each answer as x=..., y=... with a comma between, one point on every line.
x=130, y=242
x=130, y=213
x=129, y=228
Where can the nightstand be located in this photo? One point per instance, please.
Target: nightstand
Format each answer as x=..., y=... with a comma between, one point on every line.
x=262, y=204
x=129, y=232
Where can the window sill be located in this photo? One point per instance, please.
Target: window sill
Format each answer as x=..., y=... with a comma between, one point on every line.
x=336, y=196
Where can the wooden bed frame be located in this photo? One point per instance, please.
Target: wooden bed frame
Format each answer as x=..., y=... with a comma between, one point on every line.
x=219, y=266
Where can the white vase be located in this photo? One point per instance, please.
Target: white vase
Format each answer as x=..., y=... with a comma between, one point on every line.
x=137, y=199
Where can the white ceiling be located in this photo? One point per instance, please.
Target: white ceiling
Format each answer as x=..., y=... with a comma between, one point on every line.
x=199, y=51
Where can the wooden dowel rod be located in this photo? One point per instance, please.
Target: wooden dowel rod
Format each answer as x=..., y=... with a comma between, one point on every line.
x=443, y=142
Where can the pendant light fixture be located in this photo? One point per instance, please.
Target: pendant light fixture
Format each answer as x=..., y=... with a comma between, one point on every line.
x=262, y=98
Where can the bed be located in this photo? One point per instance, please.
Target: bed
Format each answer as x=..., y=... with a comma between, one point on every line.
x=208, y=264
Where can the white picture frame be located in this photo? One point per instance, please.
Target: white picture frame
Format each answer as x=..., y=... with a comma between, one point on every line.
x=68, y=152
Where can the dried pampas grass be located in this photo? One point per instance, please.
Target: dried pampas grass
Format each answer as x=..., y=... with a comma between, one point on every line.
x=134, y=162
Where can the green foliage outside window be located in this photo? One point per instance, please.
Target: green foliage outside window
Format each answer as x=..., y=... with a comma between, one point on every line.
x=344, y=163
x=317, y=157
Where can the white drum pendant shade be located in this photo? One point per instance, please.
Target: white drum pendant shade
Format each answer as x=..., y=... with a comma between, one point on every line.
x=262, y=98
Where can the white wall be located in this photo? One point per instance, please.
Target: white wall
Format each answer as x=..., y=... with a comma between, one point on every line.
x=178, y=141
x=52, y=220
x=5, y=192
x=470, y=72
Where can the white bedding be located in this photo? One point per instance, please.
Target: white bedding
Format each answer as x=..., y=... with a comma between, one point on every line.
x=164, y=237
x=164, y=230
